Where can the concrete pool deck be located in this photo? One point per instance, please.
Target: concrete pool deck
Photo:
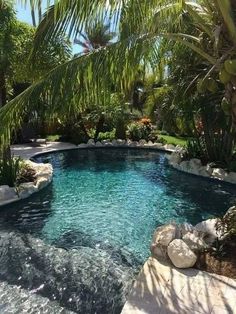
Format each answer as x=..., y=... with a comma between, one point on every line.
x=26, y=151
x=162, y=289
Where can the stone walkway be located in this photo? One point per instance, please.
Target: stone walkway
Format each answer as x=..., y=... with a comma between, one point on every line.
x=26, y=151
x=161, y=289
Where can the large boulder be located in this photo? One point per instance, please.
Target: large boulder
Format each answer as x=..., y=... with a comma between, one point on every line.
x=161, y=238
x=180, y=254
x=208, y=227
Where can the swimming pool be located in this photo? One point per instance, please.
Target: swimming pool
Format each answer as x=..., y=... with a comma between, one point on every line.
x=102, y=209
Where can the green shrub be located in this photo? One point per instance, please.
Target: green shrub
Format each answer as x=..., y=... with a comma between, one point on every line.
x=107, y=135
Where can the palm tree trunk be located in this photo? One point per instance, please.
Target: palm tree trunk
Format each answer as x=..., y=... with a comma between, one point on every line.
x=33, y=14
x=40, y=10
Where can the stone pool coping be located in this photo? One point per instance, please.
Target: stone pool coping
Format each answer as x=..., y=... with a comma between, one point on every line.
x=161, y=289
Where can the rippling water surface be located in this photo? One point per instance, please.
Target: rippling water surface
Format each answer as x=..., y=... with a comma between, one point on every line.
x=103, y=205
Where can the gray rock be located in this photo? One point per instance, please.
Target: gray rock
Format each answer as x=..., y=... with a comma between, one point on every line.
x=7, y=193
x=208, y=227
x=165, y=234
x=180, y=254
x=99, y=144
x=91, y=142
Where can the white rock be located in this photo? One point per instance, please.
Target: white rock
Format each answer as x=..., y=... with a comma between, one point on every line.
x=121, y=142
x=209, y=169
x=142, y=142
x=159, y=251
x=165, y=234
x=209, y=228
x=180, y=254
x=158, y=145
x=98, y=144
x=7, y=193
x=42, y=182
x=169, y=147
x=150, y=143
x=26, y=189
x=219, y=173
x=194, y=242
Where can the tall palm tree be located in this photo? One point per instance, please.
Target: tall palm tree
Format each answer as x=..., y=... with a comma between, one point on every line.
x=95, y=36
x=146, y=29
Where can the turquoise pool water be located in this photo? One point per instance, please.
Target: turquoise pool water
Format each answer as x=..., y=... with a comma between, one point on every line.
x=111, y=201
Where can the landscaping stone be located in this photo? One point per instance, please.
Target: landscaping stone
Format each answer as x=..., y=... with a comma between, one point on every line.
x=91, y=142
x=180, y=254
x=175, y=159
x=121, y=142
x=114, y=143
x=165, y=234
x=169, y=147
x=150, y=143
x=42, y=183
x=185, y=228
x=209, y=228
x=142, y=142
x=7, y=193
x=194, y=242
x=219, y=173
x=98, y=144
x=26, y=189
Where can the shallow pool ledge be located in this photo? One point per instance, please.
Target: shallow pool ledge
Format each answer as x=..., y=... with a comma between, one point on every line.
x=161, y=288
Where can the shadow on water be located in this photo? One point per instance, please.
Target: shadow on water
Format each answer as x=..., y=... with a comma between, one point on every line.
x=85, y=280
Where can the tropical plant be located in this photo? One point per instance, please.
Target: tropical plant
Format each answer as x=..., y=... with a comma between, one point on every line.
x=9, y=171
x=95, y=36
x=146, y=30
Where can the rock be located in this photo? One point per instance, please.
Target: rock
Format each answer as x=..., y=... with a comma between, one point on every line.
x=219, y=174
x=83, y=145
x=194, y=242
x=158, y=145
x=231, y=211
x=26, y=189
x=185, y=228
x=91, y=142
x=165, y=234
x=231, y=177
x=134, y=144
x=142, y=142
x=42, y=182
x=7, y=194
x=150, y=143
x=159, y=251
x=114, y=143
x=180, y=254
x=121, y=142
x=209, y=228
x=209, y=169
x=98, y=144
x=169, y=147
x=175, y=159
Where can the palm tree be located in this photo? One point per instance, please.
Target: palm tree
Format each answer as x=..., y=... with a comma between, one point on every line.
x=146, y=30
x=95, y=36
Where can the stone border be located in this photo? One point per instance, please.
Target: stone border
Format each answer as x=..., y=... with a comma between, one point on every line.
x=44, y=172
x=194, y=166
